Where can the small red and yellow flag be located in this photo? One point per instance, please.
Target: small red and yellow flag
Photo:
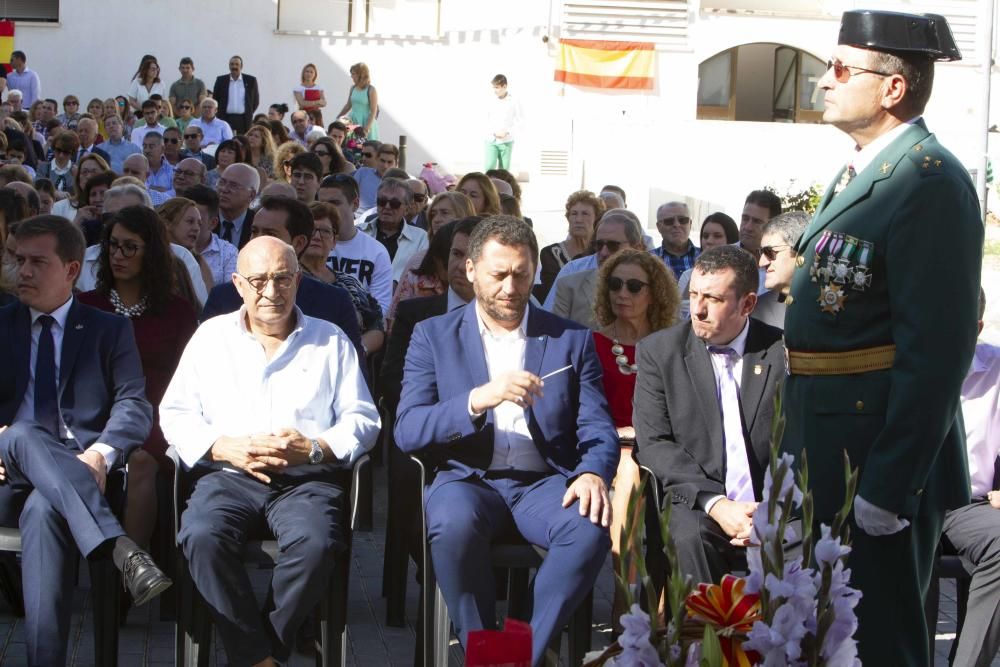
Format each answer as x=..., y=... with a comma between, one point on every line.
x=605, y=64
x=6, y=43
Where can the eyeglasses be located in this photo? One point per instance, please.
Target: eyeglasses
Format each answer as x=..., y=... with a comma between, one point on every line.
x=71, y=104
x=225, y=184
x=325, y=233
x=842, y=72
x=391, y=203
x=127, y=250
x=674, y=220
x=420, y=199
x=282, y=281
x=613, y=246
x=185, y=106
x=171, y=140
x=192, y=136
x=771, y=251
x=633, y=285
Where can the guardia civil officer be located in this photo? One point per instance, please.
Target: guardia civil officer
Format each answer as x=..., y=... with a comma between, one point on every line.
x=881, y=330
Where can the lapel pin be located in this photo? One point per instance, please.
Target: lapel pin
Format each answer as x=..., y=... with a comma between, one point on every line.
x=78, y=327
x=757, y=369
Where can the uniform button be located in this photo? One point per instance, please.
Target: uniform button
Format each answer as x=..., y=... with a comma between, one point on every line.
x=918, y=491
x=789, y=300
x=800, y=261
x=860, y=405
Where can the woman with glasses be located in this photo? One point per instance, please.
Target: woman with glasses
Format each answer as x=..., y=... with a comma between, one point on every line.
x=362, y=101
x=59, y=169
x=583, y=211
x=90, y=165
x=229, y=152
x=146, y=83
x=717, y=229
x=137, y=278
x=314, y=262
x=262, y=150
x=635, y=296
x=184, y=114
x=330, y=155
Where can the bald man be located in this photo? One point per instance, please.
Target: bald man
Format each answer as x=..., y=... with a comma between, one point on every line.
x=286, y=463
x=188, y=172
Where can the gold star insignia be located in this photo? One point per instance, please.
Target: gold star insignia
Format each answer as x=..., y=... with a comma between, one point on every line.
x=925, y=165
x=918, y=148
x=937, y=163
x=885, y=167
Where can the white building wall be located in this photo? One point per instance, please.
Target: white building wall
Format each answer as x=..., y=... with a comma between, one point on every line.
x=433, y=89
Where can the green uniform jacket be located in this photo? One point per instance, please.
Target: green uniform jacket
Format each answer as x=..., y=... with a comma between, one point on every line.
x=910, y=277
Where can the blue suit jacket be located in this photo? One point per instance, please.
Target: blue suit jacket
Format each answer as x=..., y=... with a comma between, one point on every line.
x=570, y=424
x=102, y=390
x=315, y=298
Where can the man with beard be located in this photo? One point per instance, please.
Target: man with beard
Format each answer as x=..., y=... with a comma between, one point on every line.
x=509, y=457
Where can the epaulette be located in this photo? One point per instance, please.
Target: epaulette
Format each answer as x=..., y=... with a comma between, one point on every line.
x=926, y=162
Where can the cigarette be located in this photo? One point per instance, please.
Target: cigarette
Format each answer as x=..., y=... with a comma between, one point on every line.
x=556, y=372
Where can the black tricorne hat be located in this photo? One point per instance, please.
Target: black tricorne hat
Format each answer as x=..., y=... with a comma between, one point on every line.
x=895, y=31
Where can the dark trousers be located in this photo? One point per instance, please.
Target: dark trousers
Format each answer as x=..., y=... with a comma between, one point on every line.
x=465, y=516
x=52, y=497
x=226, y=510
x=238, y=122
x=703, y=548
x=974, y=532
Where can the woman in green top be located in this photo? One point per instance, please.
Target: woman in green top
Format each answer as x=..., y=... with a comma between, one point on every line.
x=362, y=101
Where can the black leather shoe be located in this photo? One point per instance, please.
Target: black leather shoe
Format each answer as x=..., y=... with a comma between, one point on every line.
x=143, y=579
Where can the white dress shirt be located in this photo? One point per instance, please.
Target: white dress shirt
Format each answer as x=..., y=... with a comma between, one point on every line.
x=26, y=411
x=738, y=345
x=88, y=272
x=225, y=386
x=236, y=103
x=214, y=132
x=513, y=446
x=981, y=410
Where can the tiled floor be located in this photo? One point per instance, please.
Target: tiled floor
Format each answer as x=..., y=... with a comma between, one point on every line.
x=147, y=641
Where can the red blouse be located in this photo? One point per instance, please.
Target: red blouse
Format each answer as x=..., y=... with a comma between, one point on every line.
x=618, y=387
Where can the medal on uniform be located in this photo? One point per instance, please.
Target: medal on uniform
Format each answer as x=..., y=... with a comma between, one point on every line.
x=815, y=270
x=831, y=298
x=842, y=269
x=861, y=275
x=828, y=271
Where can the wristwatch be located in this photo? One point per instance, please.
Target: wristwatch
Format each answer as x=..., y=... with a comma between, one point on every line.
x=316, y=455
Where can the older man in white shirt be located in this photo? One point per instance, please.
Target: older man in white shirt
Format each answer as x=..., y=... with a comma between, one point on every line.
x=275, y=403
x=974, y=530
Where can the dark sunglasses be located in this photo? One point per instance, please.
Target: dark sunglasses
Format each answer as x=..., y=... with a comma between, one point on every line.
x=191, y=136
x=613, y=246
x=391, y=203
x=171, y=140
x=633, y=285
x=771, y=251
x=675, y=220
x=842, y=72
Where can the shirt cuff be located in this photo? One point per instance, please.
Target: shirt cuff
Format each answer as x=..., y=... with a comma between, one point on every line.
x=473, y=415
x=109, y=453
x=706, y=501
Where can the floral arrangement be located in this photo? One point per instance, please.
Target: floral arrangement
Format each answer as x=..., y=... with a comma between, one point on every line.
x=786, y=611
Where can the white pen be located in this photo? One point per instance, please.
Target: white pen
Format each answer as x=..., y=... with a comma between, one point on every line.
x=548, y=375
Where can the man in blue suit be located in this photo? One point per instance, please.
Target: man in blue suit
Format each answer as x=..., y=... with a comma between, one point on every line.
x=514, y=453
x=290, y=220
x=72, y=407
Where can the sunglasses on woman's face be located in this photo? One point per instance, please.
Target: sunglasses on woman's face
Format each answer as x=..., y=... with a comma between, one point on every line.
x=633, y=285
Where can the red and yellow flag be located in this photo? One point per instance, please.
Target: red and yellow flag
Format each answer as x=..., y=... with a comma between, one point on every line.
x=604, y=64
x=6, y=43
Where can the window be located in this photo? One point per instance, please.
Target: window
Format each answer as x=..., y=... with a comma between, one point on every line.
x=664, y=22
x=42, y=11
x=382, y=17
x=762, y=83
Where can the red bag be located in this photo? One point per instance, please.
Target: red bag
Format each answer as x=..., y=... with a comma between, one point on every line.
x=510, y=647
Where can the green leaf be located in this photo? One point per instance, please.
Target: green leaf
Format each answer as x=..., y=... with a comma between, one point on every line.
x=711, y=649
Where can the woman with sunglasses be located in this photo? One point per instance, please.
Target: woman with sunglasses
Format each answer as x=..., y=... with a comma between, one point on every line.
x=717, y=229
x=185, y=114
x=331, y=157
x=583, y=211
x=314, y=262
x=137, y=279
x=59, y=169
x=635, y=296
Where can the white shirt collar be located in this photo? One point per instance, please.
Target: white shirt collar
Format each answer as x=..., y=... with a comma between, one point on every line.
x=454, y=300
x=739, y=344
x=241, y=322
x=519, y=332
x=59, y=314
x=863, y=157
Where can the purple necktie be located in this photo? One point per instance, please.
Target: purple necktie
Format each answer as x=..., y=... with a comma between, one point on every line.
x=739, y=485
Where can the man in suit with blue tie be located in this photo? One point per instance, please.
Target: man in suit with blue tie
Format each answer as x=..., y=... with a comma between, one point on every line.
x=513, y=453
x=72, y=407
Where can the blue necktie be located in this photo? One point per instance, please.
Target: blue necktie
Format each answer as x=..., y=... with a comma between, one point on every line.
x=46, y=394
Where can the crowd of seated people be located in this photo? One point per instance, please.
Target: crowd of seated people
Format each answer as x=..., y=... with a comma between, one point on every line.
x=215, y=253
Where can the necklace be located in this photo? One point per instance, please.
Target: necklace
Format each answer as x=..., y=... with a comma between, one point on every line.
x=128, y=311
x=624, y=367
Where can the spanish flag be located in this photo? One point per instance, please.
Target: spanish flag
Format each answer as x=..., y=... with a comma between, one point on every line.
x=603, y=64
x=6, y=43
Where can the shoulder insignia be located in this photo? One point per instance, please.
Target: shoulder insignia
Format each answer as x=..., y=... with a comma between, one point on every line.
x=885, y=168
x=918, y=148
